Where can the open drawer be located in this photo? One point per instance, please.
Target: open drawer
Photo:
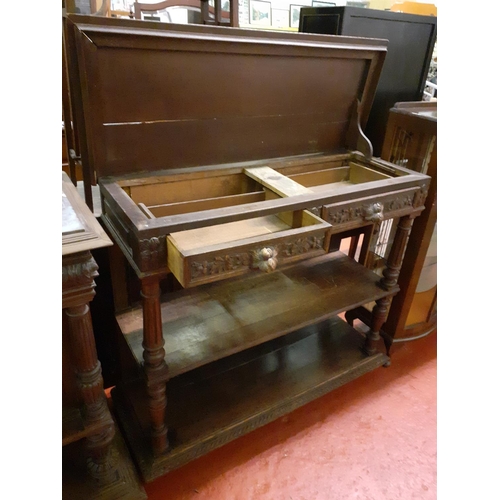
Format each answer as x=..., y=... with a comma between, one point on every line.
x=212, y=253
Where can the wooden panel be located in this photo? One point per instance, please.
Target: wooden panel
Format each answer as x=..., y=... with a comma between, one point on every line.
x=359, y=174
x=216, y=320
x=213, y=405
x=344, y=216
x=326, y=176
x=163, y=145
x=244, y=97
x=208, y=204
x=196, y=188
x=207, y=96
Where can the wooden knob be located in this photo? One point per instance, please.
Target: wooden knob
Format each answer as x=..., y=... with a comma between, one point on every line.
x=265, y=259
x=373, y=212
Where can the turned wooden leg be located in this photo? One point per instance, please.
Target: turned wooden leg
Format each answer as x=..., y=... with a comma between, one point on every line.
x=100, y=463
x=155, y=368
x=379, y=315
x=388, y=282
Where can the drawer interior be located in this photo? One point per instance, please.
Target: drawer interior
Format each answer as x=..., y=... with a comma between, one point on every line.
x=207, y=189
x=183, y=194
x=336, y=178
x=194, y=240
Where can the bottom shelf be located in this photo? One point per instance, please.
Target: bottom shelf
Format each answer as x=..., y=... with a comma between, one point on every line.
x=219, y=402
x=78, y=485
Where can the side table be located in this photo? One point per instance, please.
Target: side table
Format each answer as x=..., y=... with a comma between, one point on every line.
x=95, y=461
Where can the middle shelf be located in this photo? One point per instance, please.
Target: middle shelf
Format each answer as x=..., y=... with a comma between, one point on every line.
x=213, y=321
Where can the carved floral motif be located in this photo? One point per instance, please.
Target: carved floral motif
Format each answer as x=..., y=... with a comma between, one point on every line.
x=399, y=203
x=76, y=273
x=301, y=245
x=220, y=265
x=265, y=259
x=345, y=215
x=151, y=253
x=250, y=258
x=420, y=196
x=371, y=212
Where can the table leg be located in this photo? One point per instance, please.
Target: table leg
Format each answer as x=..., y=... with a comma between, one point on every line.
x=388, y=282
x=155, y=368
x=89, y=379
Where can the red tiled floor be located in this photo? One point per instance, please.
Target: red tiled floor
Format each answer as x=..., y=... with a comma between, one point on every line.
x=374, y=438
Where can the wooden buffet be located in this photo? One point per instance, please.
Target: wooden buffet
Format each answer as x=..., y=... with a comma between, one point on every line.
x=96, y=463
x=232, y=162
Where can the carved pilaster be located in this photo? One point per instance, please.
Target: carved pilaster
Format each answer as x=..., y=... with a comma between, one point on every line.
x=89, y=381
x=78, y=273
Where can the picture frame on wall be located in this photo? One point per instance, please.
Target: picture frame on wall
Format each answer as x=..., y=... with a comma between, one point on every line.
x=295, y=15
x=79, y=6
x=260, y=12
x=316, y=3
x=280, y=18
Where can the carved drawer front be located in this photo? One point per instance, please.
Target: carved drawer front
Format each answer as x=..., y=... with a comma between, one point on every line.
x=262, y=244
x=360, y=212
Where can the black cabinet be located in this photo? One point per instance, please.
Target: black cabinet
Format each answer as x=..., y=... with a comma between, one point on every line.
x=411, y=42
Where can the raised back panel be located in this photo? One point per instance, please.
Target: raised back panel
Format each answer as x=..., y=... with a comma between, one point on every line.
x=157, y=98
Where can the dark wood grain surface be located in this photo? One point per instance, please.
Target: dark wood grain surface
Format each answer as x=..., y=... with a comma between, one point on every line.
x=249, y=391
x=217, y=320
x=245, y=115
x=224, y=358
